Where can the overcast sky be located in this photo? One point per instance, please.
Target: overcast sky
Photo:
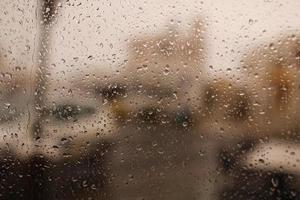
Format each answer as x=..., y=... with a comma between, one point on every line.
x=101, y=29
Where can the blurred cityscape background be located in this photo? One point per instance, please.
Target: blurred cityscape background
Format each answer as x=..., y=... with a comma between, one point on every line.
x=150, y=100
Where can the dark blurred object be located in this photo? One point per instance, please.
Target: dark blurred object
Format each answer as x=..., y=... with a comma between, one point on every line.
x=25, y=179
x=49, y=10
x=83, y=178
x=38, y=178
x=252, y=185
x=226, y=101
x=111, y=91
x=253, y=182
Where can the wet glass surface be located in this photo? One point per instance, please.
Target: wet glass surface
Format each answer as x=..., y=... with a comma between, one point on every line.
x=149, y=100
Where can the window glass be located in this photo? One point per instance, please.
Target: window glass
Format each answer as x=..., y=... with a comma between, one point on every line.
x=149, y=99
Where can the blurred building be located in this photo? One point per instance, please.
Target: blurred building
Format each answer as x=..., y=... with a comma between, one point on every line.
x=272, y=79
x=261, y=165
x=162, y=75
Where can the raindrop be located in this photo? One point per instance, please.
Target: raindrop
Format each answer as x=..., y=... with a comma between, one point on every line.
x=166, y=70
x=250, y=21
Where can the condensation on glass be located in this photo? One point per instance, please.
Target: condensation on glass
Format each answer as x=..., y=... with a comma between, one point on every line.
x=150, y=100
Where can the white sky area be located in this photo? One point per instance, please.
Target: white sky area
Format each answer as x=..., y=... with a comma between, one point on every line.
x=102, y=29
